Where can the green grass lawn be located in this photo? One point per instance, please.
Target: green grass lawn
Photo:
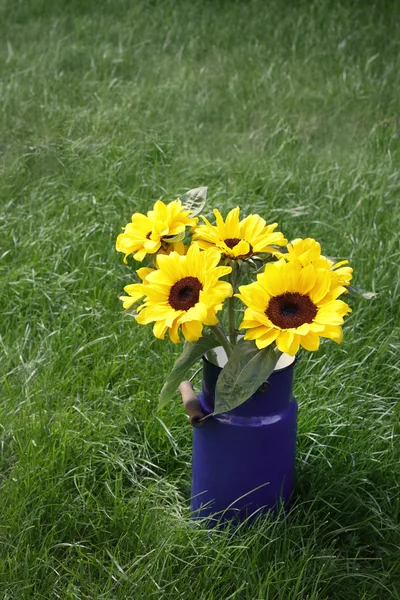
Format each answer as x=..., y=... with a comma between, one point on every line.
x=290, y=109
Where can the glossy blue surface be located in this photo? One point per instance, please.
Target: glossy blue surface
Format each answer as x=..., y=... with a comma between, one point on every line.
x=243, y=460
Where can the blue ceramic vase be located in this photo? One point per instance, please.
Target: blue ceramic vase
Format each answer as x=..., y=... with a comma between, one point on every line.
x=244, y=459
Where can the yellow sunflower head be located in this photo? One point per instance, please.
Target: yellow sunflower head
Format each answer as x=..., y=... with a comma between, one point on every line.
x=236, y=239
x=293, y=307
x=184, y=293
x=303, y=252
x=146, y=234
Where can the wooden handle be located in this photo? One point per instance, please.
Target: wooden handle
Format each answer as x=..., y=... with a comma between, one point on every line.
x=191, y=404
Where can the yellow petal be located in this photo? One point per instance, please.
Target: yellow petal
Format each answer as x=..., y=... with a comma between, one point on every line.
x=156, y=313
x=256, y=332
x=268, y=338
x=241, y=249
x=139, y=256
x=173, y=334
x=232, y=229
x=159, y=329
x=288, y=342
x=212, y=318
x=250, y=324
x=158, y=292
x=321, y=287
x=310, y=341
x=254, y=295
x=143, y=272
x=169, y=268
x=265, y=241
x=218, y=272
x=198, y=312
x=272, y=280
x=160, y=211
x=127, y=301
x=338, y=306
x=135, y=290
x=251, y=227
x=334, y=333
x=303, y=329
x=340, y=264
x=291, y=277
x=335, y=292
x=216, y=294
x=220, y=224
x=307, y=279
x=151, y=246
x=251, y=315
x=328, y=317
x=211, y=259
x=202, y=244
x=192, y=330
x=124, y=244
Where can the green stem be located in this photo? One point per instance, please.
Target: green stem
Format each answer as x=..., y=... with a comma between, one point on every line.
x=231, y=320
x=231, y=305
x=219, y=333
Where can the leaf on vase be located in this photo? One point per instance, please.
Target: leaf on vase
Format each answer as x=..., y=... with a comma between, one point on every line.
x=247, y=369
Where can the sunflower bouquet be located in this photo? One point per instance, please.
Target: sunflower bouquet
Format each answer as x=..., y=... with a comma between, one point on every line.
x=194, y=288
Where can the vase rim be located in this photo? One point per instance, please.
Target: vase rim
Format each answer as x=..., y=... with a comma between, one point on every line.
x=291, y=362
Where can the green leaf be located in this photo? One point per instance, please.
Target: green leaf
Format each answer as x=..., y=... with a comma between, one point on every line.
x=355, y=291
x=194, y=200
x=190, y=355
x=255, y=264
x=174, y=238
x=247, y=368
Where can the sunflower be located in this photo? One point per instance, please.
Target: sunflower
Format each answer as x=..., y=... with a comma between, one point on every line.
x=146, y=234
x=308, y=251
x=293, y=307
x=238, y=239
x=185, y=292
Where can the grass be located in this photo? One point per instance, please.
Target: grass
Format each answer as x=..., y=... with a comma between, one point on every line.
x=290, y=109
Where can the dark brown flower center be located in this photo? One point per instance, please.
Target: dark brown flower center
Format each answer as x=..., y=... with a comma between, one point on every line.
x=148, y=235
x=185, y=293
x=291, y=310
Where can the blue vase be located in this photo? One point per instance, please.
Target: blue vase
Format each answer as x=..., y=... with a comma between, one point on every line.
x=244, y=459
